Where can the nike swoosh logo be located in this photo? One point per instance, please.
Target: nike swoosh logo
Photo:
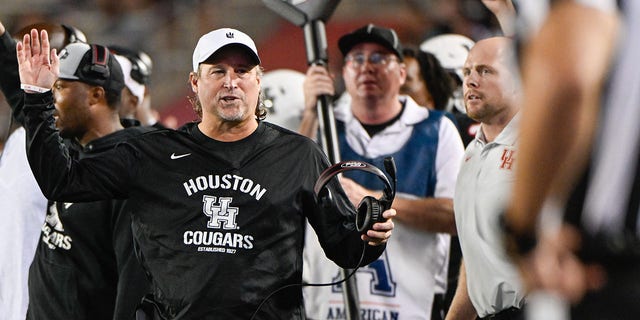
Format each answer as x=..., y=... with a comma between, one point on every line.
x=174, y=156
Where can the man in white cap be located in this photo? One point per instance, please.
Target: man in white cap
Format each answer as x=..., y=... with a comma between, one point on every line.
x=135, y=108
x=218, y=208
x=133, y=93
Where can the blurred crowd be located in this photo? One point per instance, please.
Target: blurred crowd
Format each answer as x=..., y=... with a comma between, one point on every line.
x=167, y=31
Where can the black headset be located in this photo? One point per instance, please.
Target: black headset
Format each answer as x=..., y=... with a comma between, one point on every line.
x=73, y=34
x=141, y=63
x=370, y=209
x=99, y=68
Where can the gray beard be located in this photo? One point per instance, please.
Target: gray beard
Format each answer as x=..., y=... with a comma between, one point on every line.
x=235, y=117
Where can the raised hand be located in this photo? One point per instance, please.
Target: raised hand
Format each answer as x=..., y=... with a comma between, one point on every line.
x=499, y=6
x=554, y=267
x=317, y=82
x=38, y=65
x=504, y=12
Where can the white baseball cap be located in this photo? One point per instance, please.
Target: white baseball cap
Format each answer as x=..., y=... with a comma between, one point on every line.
x=136, y=88
x=217, y=39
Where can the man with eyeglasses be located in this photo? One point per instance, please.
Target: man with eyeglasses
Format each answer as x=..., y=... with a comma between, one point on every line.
x=379, y=122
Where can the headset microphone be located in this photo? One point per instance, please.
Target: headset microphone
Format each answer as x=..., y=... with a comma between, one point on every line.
x=390, y=168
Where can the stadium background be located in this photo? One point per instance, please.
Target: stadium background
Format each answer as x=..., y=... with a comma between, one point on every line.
x=168, y=30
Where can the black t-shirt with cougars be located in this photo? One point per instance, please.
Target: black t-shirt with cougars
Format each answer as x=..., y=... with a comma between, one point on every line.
x=219, y=225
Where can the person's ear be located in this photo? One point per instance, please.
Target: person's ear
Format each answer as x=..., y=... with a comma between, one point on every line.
x=403, y=72
x=193, y=81
x=96, y=94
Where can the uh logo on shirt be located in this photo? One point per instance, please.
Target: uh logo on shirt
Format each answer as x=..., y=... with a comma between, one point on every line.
x=507, y=159
x=220, y=213
x=222, y=217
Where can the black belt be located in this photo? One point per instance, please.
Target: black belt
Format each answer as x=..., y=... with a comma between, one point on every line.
x=512, y=313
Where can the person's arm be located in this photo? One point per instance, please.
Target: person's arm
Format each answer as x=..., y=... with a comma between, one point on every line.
x=433, y=214
x=461, y=306
x=427, y=214
x=504, y=11
x=333, y=219
x=317, y=82
x=559, y=111
x=10, y=80
x=59, y=177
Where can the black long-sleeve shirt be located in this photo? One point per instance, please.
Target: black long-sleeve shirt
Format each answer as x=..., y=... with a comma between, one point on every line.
x=9, y=78
x=219, y=225
x=84, y=266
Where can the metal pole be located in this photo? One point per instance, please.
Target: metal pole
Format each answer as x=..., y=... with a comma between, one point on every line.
x=310, y=15
x=316, y=46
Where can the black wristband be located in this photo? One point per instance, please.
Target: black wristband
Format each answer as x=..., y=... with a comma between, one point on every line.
x=517, y=243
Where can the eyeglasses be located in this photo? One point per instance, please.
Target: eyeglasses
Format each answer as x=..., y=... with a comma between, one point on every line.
x=375, y=59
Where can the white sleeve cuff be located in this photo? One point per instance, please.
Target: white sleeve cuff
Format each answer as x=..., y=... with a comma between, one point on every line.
x=32, y=88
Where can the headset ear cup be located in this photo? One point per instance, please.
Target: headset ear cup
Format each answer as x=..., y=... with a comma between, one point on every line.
x=369, y=212
x=370, y=209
